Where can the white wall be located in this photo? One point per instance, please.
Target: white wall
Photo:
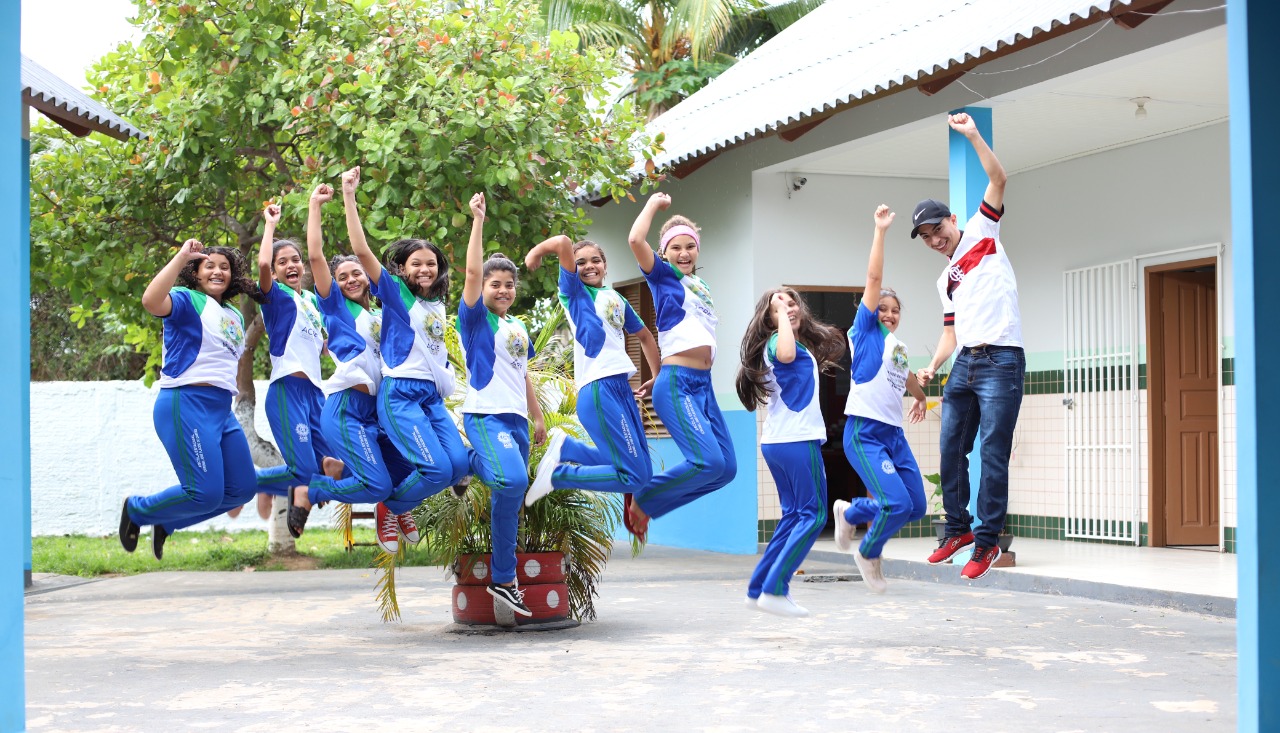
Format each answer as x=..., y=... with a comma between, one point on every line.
x=92, y=444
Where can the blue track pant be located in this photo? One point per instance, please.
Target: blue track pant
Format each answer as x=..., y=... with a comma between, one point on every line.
x=802, y=491
x=373, y=465
x=683, y=398
x=209, y=453
x=293, y=408
x=881, y=456
x=500, y=458
x=619, y=460
x=412, y=414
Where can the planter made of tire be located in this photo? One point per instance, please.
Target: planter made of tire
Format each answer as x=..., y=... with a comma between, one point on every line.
x=541, y=575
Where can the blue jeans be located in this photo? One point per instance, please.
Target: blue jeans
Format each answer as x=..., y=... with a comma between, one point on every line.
x=983, y=391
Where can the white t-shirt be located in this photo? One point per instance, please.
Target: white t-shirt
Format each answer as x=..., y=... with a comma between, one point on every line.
x=598, y=317
x=978, y=289
x=203, y=341
x=413, y=331
x=353, y=343
x=794, y=413
x=296, y=330
x=682, y=305
x=498, y=353
x=877, y=370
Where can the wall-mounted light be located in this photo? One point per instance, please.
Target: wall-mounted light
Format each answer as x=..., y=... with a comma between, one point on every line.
x=1141, y=112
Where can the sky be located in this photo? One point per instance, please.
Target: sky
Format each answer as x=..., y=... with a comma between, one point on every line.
x=68, y=36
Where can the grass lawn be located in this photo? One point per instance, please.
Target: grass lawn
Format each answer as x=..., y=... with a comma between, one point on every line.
x=210, y=550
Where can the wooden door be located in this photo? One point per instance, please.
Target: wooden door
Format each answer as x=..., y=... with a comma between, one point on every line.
x=1189, y=384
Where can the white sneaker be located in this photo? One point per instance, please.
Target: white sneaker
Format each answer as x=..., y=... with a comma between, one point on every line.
x=752, y=603
x=872, y=575
x=541, y=485
x=780, y=606
x=844, y=530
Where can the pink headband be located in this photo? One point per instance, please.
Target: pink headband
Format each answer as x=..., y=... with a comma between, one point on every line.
x=674, y=232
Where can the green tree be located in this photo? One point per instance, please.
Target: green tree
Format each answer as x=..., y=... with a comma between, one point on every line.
x=675, y=46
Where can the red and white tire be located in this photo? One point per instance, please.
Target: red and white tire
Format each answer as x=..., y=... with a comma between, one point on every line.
x=472, y=604
x=531, y=568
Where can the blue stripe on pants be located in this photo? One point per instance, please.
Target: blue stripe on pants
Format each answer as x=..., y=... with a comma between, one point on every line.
x=685, y=401
x=350, y=423
x=500, y=458
x=619, y=460
x=209, y=453
x=880, y=454
x=802, y=492
x=412, y=414
x=294, y=406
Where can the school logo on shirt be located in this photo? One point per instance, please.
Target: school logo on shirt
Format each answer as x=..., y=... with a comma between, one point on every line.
x=375, y=335
x=312, y=325
x=232, y=336
x=700, y=289
x=433, y=327
x=517, y=346
x=613, y=312
x=900, y=355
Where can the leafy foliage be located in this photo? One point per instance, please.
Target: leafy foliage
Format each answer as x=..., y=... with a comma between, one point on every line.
x=248, y=101
x=63, y=349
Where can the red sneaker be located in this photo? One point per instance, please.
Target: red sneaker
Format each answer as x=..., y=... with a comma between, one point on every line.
x=982, y=560
x=408, y=528
x=388, y=530
x=949, y=547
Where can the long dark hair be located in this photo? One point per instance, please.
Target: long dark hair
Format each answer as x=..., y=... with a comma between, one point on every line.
x=824, y=341
x=240, y=283
x=499, y=262
x=398, y=254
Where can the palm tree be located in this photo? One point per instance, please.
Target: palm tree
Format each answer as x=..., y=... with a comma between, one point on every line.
x=674, y=46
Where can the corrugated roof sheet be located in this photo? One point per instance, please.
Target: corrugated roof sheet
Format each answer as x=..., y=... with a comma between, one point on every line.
x=846, y=50
x=63, y=103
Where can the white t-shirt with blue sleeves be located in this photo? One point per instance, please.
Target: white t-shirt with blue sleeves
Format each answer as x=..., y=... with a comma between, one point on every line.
x=353, y=343
x=296, y=330
x=794, y=413
x=203, y=341
x=498, y=350
x=413, y=331
x=682, y=304
x=878, y=370
x=598, y=318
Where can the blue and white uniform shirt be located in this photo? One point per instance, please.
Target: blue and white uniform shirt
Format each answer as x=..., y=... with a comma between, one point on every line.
x=203, y=341
x=498, y=350
x=353, y=343
x=682, y=303
x=793, y=413
x=413, y=331
x=600, y=319
x=296, y=331
x=878, y=370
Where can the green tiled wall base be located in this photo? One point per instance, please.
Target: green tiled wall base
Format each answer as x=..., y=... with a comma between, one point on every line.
x=1053, y=381
x=1229, y=539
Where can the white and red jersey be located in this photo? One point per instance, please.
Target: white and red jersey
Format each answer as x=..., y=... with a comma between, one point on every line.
x=978, y=289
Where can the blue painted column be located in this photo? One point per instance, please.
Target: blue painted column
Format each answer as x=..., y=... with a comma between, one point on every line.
x=1255, y=188
x=14, y=423
x=968, y=183
x=22, y=400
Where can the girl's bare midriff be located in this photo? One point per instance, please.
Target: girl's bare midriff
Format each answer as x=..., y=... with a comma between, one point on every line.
x=696, y=358
x=360, y=388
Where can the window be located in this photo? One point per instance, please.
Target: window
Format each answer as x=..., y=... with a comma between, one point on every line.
x=641, y=300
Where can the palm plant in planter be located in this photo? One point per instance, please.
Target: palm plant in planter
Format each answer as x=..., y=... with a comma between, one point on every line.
x=577, y=525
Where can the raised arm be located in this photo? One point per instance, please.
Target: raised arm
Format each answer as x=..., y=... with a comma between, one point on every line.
x=875, y=264
x=355, y=230
x=640, y=230
x=155, y=299
x=315, y=240
x=473, y=286
x=560, y=247
x=996, y=177
x=271, y=215
x=785, y=350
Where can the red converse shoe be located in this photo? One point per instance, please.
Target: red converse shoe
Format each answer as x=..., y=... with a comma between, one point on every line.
x=408, y=528
x=388, y=529
x=949, y=547
x=980, y=563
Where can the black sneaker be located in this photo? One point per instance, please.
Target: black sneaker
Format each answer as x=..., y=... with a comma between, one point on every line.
x=158, y=536
x=460, y=489
x=512, y=596
x=129, y=530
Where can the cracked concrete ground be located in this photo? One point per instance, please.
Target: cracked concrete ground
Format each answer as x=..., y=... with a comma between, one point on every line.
x=673, y=649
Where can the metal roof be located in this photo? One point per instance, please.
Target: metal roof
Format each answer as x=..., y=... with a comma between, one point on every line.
x=849, y=51
x=70, y=107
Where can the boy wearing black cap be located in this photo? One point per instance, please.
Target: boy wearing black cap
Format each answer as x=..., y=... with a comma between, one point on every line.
x=980, y=314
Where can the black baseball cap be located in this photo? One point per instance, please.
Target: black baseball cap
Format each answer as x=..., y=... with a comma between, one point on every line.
x=929, y=211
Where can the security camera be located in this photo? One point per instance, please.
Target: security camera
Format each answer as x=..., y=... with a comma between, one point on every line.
x=798, y=183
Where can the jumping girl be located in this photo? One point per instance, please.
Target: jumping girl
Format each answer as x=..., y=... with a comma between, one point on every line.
x=203, y=341
x=295, y=400
x=598, y=317
x=500, y=402
x=417, y=376
x=781, y=355
x=682, y=393
x=350, y=417
x=873, y=439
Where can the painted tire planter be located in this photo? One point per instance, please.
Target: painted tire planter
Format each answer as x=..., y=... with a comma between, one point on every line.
x=541, y=576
